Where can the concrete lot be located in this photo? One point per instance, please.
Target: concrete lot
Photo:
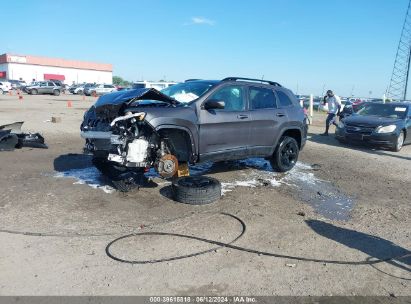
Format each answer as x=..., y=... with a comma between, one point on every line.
x=341, y=203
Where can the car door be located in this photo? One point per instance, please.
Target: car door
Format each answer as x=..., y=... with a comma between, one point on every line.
x=107, y=88
x=42, y=88
x=224, y=133
x=267, y=120
x=50, y=87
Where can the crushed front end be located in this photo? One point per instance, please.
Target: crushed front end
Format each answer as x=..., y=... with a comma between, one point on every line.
x=122, y=142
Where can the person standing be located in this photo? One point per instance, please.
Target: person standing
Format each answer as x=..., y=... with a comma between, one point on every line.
x=334, y=105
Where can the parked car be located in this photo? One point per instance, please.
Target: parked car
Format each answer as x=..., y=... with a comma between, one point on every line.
x=4, y=88
x=44, y=87
x=192, y=122
x=100, y=89
x=72, y=88
x=7, y=84
x=17, y=84
x=159, y=85
x=85, y=88
x=381, y=124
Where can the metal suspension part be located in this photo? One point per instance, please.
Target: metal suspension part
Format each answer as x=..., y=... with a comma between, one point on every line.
x=167, y=166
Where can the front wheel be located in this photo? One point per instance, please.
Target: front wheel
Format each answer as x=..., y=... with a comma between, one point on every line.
x=400, y=142
x=56, y=92
x=33, y=92
x=285, y=155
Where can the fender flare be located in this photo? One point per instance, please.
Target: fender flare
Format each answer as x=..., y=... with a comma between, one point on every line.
x=288, y=128
x=194, y=150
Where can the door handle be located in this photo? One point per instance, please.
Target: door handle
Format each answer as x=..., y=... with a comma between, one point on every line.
x=242, y=116
x=280, y=114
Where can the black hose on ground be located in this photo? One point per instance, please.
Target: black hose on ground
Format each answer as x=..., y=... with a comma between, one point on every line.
x=229, y=245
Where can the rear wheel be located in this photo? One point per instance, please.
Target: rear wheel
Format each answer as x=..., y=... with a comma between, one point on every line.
x=285, y=155
x=400, y=142
x=56, y=92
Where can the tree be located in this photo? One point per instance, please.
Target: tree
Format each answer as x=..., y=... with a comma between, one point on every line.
x=118, y=81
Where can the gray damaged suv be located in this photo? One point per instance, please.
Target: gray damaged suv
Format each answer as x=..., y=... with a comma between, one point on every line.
x=195, y=121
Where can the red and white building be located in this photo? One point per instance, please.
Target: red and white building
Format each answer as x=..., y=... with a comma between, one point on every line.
x=29, y=68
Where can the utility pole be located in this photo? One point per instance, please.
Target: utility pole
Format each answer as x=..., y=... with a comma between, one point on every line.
x=400, y=74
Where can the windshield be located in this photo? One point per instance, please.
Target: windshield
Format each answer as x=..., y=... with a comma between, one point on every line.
x=187, y=91
x=384, y=110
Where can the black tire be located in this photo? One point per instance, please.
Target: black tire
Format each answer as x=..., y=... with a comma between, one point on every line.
x=108, y=168
x=34, y=92
x=80, y=92
x=399, y=143
x=285, y=155
x=125, y=185
x=122, y=178
x=196, y=190
x=56, y=92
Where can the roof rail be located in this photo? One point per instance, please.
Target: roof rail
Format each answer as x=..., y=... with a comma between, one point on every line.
x=194, y=79
x=252, y=79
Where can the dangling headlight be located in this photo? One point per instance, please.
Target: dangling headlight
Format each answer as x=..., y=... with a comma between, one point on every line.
x=386, y=129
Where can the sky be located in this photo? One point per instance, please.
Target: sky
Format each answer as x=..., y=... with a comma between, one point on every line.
x=348, y=46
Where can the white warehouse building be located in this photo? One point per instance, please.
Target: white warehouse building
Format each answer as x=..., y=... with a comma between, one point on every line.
x=35, y=68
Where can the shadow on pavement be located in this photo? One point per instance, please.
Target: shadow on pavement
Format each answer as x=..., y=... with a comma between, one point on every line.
x=373, y=246
x=331, y=141
x=72, y=161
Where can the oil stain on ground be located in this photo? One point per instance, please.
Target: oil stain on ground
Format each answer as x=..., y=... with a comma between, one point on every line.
x=323, y=196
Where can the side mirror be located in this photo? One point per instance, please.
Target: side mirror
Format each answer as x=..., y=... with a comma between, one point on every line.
x=213, y=104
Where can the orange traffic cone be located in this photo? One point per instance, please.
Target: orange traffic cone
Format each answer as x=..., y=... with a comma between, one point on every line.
x=69, y=104
x=20, y=97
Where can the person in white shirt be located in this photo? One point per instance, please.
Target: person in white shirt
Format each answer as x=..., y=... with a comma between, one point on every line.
x=334, y=106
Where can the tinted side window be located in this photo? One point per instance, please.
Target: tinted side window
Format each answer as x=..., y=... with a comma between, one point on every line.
x=284, y=99
x=233, y=96
x=50, y=84
x=261, y=98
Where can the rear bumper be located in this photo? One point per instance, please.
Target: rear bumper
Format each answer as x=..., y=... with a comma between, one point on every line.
x=383, y=139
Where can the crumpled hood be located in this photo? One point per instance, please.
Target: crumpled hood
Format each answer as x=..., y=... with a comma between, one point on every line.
x=126, y=96
x=110, y=105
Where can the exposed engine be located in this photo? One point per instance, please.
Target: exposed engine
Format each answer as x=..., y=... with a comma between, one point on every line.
x=129, y=141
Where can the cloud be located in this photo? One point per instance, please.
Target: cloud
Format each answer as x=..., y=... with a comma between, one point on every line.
x=201, y=21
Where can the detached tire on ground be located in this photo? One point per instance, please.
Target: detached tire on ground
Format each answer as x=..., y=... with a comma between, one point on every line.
x=196, y=190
